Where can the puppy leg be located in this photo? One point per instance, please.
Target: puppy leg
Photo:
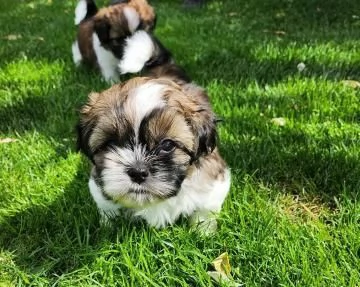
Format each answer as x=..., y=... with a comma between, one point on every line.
x=77, y=58
x=205, y=217
x=204, y=221
x=107, y=208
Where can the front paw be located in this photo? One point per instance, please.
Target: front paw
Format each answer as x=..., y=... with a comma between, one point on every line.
x=204, y=222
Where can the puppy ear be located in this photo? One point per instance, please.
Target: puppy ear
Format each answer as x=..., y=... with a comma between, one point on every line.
x=202, y=119
x=102, y=29
x=204, y=126
x=86, y=125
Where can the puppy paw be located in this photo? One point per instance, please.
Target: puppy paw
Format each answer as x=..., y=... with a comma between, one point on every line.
x=204, y=222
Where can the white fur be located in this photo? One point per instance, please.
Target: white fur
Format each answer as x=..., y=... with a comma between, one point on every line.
x=132, y=17
x=77, y=57
x=106, y=60
x=117, y=182
x=80, y=11
x=138, y=50
x=198, y=197
x=145, y=99
x=107, y=208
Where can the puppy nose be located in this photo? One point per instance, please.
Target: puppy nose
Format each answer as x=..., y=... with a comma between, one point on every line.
x=138, y=174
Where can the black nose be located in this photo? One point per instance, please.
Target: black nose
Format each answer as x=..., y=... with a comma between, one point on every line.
x=138, y=174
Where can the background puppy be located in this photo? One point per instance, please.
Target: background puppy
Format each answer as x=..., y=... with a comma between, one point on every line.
x=152, y=143
x=101, y=33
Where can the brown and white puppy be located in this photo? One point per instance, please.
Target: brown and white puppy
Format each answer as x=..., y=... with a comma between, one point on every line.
x=152, y=143
x=101, y=33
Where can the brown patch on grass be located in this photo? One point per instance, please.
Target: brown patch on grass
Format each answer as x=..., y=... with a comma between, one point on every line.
x=303, y=208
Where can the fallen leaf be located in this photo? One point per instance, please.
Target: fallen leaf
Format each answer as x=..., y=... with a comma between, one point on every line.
x=223, y=269
x=301, y=67
x=351, y=83
x=279, y=122
x=7, y=140
x=222, y=264
x=276, y=32
x=12, y=37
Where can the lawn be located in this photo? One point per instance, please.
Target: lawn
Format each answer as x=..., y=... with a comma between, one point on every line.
x=290, y=135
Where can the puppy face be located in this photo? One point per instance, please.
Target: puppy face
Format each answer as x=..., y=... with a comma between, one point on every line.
x=144, y=138
x=113, y=24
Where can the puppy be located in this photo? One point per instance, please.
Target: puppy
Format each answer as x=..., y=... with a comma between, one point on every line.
x=152, y=144
x=101, y=33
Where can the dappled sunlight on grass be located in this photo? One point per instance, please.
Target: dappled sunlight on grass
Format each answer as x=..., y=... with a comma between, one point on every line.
x=330, y=53
x=37, y=178
x=28, y=72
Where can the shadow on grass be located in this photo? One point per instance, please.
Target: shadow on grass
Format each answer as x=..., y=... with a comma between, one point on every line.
x=62, y=236
x=295, y=162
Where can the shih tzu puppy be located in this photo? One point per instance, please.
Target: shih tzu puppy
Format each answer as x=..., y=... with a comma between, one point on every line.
x=152, y=144
x=102, y=33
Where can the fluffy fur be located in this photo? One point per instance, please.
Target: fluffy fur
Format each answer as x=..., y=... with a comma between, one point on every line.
x=102, y=32
x=144, y=53
x=152, y=143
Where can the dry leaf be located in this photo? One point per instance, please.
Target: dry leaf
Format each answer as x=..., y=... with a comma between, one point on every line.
x=276, y=32
x=351, y=83
x=12, y=37
x=279, y=122
x=301, y=67
x=222, y=264
x=223, y=269
x=7, y=140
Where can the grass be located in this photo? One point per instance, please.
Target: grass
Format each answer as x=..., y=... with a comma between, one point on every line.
x=293, y=215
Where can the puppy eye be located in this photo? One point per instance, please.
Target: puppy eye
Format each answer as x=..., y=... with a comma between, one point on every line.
x=112, y=142
x=118, y=41
x=167, y=146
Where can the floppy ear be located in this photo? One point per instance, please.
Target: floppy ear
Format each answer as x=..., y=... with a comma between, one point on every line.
x=102, y=29
x=202, y=120
x=204, y=127
x=86, y=125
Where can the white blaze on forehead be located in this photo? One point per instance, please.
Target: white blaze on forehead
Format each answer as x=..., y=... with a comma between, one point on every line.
x=132, y=18
x=143, y=100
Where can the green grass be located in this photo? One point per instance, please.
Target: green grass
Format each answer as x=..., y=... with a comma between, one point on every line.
x=293, y=215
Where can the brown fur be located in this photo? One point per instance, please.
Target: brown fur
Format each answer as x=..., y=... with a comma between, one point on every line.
x=146, y=12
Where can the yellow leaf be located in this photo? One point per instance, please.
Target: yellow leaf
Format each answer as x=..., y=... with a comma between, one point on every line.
x=279, y=122
x=351, y=83
x=222, y=264
x=7, y=140
x=12, y=37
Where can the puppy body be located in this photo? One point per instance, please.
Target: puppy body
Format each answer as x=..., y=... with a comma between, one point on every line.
x=101, y=33
x=152, y=143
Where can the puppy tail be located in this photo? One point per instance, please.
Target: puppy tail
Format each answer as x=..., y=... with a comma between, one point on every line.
x=84, y=9
x=144, y=53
